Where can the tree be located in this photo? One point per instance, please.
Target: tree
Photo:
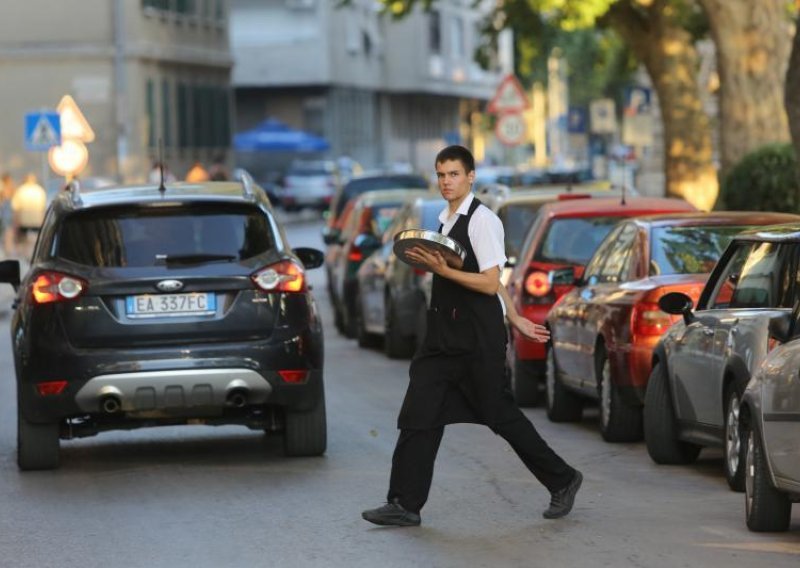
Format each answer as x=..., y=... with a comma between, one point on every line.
x=753, y=42
x=792, y=91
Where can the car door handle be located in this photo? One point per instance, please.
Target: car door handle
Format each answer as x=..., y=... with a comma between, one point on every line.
x=708, y=331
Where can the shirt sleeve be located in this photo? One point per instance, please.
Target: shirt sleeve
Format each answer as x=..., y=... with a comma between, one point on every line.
x=488, y=239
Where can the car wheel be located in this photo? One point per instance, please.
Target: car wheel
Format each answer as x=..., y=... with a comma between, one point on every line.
x=660, y=426
x=365, y=338
x=37, y=445
x=766, y=508
x=395, y=345
x=526, y=383
x=734, y=437
x=306, y=432
x=562, y=405
x=619, y=422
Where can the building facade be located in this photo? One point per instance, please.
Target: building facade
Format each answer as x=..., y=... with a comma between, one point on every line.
x=141, y=71
x=379, y=90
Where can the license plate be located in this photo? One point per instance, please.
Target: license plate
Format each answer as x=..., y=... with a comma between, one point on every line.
x=158, y=305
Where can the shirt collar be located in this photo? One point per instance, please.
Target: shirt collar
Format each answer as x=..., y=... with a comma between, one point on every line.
x=463, y=209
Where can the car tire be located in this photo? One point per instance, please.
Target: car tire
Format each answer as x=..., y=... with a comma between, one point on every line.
x=734, y=443
x=526, y=383
x=766, y=508
x=619, y=421
x=395, y=346
x=306, y=433
x=38, y=445
x=365, y=339
x=660, y=426
x=562, y=405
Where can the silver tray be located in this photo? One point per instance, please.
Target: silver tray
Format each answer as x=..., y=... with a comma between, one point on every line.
x=450, y=249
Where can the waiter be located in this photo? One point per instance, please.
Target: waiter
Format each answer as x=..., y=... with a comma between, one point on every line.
x=459, y=374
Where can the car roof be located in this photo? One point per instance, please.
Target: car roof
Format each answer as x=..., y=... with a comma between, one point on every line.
x=388, y=195
x=717, y=218
x=613, y=205
x=788, y=232
x=224, y=191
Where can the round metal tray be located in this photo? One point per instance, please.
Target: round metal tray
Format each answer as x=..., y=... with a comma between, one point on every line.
x=450, y=249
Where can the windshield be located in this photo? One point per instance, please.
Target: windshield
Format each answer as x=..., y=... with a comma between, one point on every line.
x=362, y=185
x=125, y=236
x=573, y=240
x=688, y=250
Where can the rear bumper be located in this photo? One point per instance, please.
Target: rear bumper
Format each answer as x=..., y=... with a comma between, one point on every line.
x=525, y=349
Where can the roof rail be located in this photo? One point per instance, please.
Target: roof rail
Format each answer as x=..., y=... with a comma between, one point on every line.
x=74, y=188
x=243, y=176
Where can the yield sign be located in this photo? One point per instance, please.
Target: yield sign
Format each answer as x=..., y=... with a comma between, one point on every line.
x=509, y=97
x=42, y=130
x=74, y=125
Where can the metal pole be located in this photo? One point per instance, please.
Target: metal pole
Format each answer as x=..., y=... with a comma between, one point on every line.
x=120, y=87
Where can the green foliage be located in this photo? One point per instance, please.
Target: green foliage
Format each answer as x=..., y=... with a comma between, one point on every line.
x=764, y=180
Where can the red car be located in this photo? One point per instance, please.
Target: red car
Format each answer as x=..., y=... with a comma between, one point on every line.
x=563, y=234
x=603, y=331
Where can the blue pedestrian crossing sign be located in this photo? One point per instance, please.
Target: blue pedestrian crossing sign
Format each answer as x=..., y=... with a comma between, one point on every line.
x=42, y=130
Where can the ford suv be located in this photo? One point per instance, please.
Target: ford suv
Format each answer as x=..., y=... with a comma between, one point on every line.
x=178, y=304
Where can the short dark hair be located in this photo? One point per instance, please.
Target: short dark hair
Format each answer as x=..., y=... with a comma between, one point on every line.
x=456, y=152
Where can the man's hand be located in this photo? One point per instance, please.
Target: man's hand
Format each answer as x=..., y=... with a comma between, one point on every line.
x=532, y=331
x=433, y=260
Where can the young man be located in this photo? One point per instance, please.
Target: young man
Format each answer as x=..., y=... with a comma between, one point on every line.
x=459, y=374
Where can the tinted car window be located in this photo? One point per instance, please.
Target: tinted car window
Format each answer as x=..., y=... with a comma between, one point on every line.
x=573, y=240
x=362, y=185
x=688, y=250
x=516, y=219
x=758, y=275
x=615, y=266
x=117, y=237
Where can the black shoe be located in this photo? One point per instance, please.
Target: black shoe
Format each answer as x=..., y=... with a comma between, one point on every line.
x=562, y=500
x=392, y=514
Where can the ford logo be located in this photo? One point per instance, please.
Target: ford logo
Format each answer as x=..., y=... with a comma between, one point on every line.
x=169, y=285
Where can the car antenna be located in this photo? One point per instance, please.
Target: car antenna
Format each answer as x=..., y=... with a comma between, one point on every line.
x=161, y=187
x=624, y=186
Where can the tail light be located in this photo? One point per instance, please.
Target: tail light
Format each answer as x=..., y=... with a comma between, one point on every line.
x=284, y=276
x=537, y=284
x=293, y=376
x=56, y=287
x=51, y=388
x=355, y=254
x=648, y=319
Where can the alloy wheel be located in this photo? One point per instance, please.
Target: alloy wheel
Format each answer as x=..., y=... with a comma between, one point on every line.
x=733, y=438
x=749, y=475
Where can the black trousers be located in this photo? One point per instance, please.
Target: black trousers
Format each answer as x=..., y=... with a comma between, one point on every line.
x=415, y=454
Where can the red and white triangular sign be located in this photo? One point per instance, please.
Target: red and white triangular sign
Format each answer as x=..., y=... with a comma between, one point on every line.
x=74, y=125
x=509, y=97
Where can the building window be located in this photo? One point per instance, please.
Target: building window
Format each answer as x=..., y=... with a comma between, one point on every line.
x=166, y=113
x=457, y=47
x=184, y=110
x=150, y=103
x=435, y=32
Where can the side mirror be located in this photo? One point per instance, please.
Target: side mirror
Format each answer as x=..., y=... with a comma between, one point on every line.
x=780, y=328
x=562, y=276
x=330, y=236
x=677, y=303
x=310, y=257
x=9, y=272
x=367, y=241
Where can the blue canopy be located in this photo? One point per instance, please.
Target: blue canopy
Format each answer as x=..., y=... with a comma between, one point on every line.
x=272, y=135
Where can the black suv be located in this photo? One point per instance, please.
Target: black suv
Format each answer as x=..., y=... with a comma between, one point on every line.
x=148, y=306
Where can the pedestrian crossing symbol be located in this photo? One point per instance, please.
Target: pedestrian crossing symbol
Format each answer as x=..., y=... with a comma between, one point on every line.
x=42, y=130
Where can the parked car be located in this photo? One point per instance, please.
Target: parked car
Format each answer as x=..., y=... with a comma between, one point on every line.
x=145, y=307
x=390, y=299
x=310, y=184
x=603, y=331
x=704, y=362
x=364, y=224
x=369, y=181
x=770, y=415
x=563, y=234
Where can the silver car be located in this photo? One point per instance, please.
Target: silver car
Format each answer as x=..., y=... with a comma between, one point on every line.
x=770, y=413
x=703, y=364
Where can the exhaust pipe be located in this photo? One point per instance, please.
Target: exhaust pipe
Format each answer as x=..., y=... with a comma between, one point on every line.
x=237, y=398
x=110, y=404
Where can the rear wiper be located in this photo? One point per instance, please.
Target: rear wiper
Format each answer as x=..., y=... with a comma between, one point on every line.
x=193, y=258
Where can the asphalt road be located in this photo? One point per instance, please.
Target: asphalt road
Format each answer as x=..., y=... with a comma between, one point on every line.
x=216, y=497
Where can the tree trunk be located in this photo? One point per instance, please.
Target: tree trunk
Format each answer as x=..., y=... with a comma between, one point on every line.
x=667, y=52
x=792, y=93
x=753, y=42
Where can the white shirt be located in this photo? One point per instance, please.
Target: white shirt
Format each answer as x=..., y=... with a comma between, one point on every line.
x=485, y=232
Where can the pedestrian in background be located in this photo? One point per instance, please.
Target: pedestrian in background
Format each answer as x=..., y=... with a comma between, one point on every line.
x=28, y=205
x=460, y=374
x=9, y=228
x=197, y=173
x=218, y=170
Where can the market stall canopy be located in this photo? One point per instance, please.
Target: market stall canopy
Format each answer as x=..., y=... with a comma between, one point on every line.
x=272, y=135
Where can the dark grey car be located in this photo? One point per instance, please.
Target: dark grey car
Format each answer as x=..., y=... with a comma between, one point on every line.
x=703, y=364
x=148, y=306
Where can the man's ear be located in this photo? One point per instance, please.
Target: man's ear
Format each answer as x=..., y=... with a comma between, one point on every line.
x=471, y=177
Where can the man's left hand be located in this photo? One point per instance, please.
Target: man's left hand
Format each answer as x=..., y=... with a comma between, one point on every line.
x=532, y=331
x=432, y=259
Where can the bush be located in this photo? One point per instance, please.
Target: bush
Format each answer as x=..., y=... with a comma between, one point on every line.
x=764, y=180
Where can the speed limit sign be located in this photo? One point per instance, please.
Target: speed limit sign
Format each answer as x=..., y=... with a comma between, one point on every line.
x=510, y=129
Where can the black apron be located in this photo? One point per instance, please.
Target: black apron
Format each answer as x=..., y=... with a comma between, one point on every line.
x=459, y=374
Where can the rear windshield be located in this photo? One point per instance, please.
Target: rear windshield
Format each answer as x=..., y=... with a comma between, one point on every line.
x=359, y=186
x=382, y=215
x=517, y=220
x=574, y=240
x=154, y=236
x=688, y=250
